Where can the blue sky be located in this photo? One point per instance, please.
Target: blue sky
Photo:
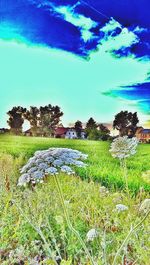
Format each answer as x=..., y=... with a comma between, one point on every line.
x=90, y=57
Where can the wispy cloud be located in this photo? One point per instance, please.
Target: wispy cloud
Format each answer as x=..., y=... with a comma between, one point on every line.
x=85, y=24
x=137, y=94
x=117, y=37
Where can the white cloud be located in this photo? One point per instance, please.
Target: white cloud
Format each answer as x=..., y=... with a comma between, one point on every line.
x=124, y=39
x=111, y=26
x=80, y=21
x=87, y=35
x=140, y=30
x=74, y=18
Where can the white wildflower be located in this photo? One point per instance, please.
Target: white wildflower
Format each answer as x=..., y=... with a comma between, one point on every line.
x=39, y=161
x=32, y=169
x=37, y=176
x=121, y=207
x=67, y=170
x=42, y=166
x=79, y=163
x=145, y=206
x=66, y=202
x=103, y=190
x=84, y=156
x=46, y=155
x=38, y=153
x=51, y=170
x=75, y=155
x=32, y=160
x=24, y=169
x=58, y=162
x=68, y=161
x=92, y=234
x=123, y=147
x=49, y=159
x=50, y=162
x=24, y=179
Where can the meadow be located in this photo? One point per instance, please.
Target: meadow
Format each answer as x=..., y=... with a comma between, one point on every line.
x=49, y=225
x=101, y=166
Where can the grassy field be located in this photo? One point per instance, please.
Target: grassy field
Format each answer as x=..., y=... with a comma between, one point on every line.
x=101, y=166
x=38, y=226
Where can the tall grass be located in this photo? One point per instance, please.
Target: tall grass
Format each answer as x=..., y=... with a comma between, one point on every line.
x=50, y=223
x=101, y=166
x=34, y=224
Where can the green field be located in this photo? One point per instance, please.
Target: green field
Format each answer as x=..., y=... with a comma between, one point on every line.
x=53, y=219
x=101, y=166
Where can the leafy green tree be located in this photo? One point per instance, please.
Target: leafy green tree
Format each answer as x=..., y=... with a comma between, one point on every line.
x=91, y=125
x=16, y=119
x=32, y=116
x=133, y=127
x=104, y=132
x=49, y=119
x=78, y=128
x=126, y=122
x=94, y=134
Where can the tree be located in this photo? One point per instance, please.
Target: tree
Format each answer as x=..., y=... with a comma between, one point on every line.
x=104, y=132
x=32, y=116
x=126, y=122
x=78, y=128
x=16, y=119
x=133, y=126
x=91, y=124
x=94, y=134
x=49, y=119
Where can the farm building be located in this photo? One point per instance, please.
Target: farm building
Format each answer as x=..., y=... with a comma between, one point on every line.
x=3, y=130
x=61, y=132
x=68, y=133
x=143, y=135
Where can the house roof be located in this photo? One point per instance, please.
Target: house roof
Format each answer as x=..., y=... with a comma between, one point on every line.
x=61, y=130
x=146, y=131
x=27, y=131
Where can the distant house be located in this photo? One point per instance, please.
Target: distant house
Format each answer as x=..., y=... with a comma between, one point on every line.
x=27, y=133
x=83, y=134
x=60, y=132
x=3, y=130
x=143, y=135
x=68, y=133
x=71, y=134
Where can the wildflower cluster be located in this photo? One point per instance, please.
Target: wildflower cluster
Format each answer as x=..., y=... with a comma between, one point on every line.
x=123, y=147
x=92, y=234
x=50, y=162
x=145, y=206
x=121, y=207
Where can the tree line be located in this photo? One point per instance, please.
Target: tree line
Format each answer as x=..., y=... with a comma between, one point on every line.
x=125, y=122
x=45, y=119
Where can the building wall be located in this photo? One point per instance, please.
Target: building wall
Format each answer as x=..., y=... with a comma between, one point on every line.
x=143, y=137
x=83, y=135
x=71, y=134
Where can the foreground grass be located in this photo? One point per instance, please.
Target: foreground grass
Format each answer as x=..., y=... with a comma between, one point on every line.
x=101, y=166
x=34, y=229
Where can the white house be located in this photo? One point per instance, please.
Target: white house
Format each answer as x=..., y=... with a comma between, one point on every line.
x=83, y=135
x=71, y=134
x=68, y=133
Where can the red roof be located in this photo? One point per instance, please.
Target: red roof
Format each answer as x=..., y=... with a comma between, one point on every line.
x=61, y=131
